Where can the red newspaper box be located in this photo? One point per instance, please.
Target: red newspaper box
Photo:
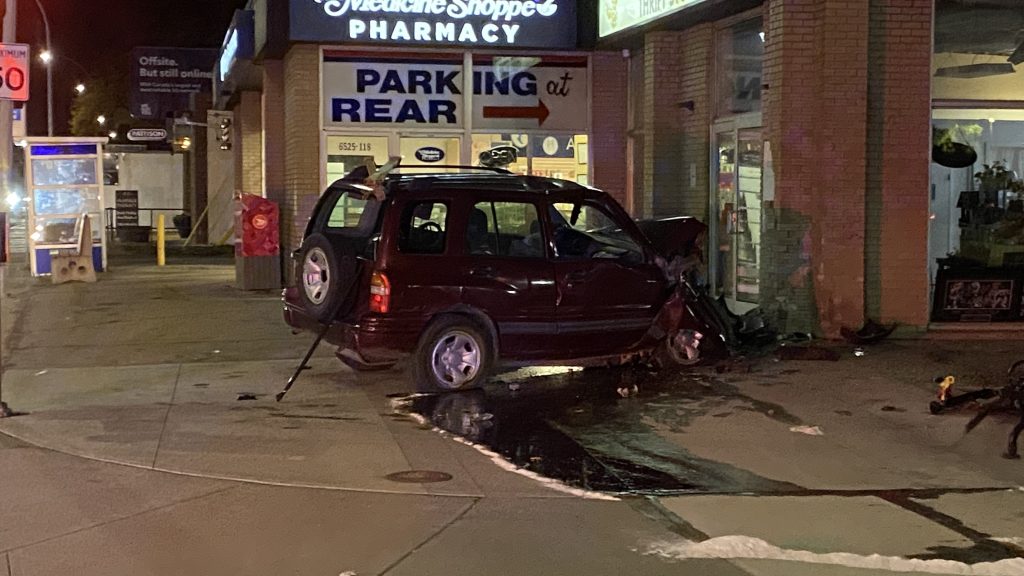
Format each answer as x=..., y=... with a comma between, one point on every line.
x=258, y=243
x=257, y=227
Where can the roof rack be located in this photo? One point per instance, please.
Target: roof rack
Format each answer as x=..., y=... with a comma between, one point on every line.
x=449, y=167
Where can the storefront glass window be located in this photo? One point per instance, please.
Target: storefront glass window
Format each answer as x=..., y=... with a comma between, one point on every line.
x=565, y=156
x=560, y=156
x=740, y=54
x=976, y=232
x=345, y=153
x=428, y=151
x=484, y=142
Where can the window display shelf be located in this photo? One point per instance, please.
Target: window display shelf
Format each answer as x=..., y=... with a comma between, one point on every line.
x=993, y=254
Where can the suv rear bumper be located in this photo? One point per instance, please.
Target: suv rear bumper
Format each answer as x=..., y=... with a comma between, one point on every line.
x=375, y=341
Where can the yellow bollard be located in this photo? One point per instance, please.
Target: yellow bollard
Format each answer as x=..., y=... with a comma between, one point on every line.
x=160, y=256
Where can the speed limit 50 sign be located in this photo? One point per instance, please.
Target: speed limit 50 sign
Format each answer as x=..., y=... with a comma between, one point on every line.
x=14, y=66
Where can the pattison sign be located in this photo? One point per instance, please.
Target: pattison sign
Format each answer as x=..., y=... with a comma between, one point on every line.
x=618, y=15
x=495, y=23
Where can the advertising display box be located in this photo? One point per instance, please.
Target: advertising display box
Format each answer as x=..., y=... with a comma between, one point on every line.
x=64, y=182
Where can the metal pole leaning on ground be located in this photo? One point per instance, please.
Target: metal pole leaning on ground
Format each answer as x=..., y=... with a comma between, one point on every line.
x=160, y=255
x=305, y=362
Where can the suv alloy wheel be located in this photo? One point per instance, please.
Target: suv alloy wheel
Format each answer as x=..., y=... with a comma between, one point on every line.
x=454, y=353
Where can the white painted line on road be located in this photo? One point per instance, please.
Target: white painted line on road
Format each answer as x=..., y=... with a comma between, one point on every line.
x=737, y=547
x=504, y=464
x=1015, y=541
x=398, y=404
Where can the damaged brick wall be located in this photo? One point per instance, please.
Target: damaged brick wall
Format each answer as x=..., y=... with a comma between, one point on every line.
x=846, y=112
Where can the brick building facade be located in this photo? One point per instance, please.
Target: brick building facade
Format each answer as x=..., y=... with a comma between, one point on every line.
x=833, y=198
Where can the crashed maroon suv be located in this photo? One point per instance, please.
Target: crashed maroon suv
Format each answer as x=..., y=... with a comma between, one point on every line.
x=470, y=270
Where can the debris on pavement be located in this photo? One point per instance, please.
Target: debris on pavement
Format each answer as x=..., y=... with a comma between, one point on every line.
x=627, y=391
x=41, y=372
x=870, y=333
x=807, y=353
x=809, y=430
x=246, y=397
x=858, y=352
x=1009, y=398
x=948, y=400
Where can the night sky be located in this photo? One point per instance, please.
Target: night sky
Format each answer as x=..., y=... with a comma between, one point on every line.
x=100, y=33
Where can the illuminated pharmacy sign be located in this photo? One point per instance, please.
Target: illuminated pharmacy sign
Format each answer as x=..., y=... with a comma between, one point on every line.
x=508, y=23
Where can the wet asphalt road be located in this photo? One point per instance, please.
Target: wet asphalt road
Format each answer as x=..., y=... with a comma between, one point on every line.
x=592, y=429
x=595, y=430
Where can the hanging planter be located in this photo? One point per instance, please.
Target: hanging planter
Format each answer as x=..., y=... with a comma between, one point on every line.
x=951, y=154
x=954, y=155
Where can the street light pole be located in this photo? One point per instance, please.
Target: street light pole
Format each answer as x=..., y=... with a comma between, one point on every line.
x=49, y=73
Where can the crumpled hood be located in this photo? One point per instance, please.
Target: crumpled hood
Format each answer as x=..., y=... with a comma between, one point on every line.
x=673, y=236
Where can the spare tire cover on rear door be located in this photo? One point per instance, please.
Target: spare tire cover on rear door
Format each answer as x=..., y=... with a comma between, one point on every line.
x=327, y=278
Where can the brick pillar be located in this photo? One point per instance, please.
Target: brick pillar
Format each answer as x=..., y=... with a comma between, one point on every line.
x=301, y=143
x=662, y=130
x=677, y=74
x=273, y=145
x=815, y=113
x=899, y=145
x=251, y=125
x=695, y=81
x=608, y=123
x=274, y=126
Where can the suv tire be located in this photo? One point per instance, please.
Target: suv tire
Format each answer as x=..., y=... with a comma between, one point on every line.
x=454, y=353
x=672, y=350
x=325, y=280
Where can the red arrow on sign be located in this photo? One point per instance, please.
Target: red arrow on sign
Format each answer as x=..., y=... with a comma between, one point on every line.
x=540, y=112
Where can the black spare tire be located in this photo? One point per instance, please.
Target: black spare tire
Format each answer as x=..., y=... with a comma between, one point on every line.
x=326, y=278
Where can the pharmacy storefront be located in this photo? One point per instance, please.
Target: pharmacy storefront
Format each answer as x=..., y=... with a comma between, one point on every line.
x=475, y=80
x=446, y=108
x=315, y=88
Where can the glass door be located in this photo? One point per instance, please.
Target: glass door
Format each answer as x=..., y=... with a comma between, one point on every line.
x=736, y=204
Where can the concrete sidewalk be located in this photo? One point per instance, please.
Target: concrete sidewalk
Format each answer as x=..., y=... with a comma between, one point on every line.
x=135, y=455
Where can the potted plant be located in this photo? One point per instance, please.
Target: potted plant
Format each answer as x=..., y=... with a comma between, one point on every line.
x=997, y=177
x=183, y=223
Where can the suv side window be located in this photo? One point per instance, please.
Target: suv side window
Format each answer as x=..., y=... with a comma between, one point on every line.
x=423, y=228
x=584, y=230
x=504, y=229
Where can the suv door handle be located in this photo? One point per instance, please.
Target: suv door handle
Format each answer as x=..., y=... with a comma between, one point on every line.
x=482, y=272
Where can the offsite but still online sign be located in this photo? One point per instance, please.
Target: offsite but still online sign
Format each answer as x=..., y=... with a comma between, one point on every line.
x=14, y=67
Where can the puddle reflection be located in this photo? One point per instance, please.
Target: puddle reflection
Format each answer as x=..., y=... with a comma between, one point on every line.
x=582, y=428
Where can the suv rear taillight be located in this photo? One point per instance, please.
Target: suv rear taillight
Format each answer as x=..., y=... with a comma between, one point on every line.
x=380, y=293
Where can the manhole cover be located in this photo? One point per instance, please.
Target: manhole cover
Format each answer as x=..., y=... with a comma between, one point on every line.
x=419, y=476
